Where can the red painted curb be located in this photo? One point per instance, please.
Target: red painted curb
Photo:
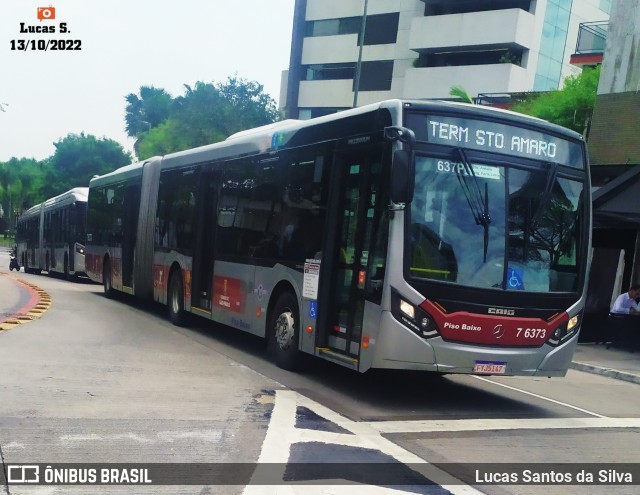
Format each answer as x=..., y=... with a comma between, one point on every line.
x=34, y=299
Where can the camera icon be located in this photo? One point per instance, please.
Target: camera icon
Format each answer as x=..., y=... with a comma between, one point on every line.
x=46, y=13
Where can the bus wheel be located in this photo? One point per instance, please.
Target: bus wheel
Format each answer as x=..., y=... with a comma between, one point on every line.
x=284, y=332
x=106, y=279
x=177, y=315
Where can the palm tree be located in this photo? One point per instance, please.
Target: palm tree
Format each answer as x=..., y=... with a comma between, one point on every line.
x=460, y=92
x=146, y=111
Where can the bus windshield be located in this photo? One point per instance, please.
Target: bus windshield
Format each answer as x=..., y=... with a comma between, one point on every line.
x=500, y=227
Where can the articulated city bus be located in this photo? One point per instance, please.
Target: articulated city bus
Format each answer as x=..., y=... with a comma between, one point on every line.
x=411, y=235
x=51, y=235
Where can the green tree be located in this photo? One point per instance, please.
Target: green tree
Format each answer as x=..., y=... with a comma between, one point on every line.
x=248, y=106
x=570, y=106
x=78, y=157
x=146, y=110
x=461, y=93
x=21, y=181
x=209, y=113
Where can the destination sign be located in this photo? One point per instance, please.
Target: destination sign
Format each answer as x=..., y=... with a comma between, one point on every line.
x=496, y=137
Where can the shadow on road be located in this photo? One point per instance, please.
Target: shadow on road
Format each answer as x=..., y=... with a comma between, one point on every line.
x=371, y=396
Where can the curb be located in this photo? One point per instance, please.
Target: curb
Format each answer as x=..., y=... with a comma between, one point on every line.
x=34, y=309
x=608, y=372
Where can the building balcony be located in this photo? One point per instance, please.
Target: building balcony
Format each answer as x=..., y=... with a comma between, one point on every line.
x=436, y=82
x=510, y=28
x=330, y=49
x=592, y=40
x=329, y=94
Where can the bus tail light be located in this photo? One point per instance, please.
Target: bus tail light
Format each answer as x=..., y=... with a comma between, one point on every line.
x=565, y=331
x=413, y=317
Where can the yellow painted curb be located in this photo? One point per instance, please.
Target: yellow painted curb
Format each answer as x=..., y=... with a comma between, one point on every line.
x=38, y=309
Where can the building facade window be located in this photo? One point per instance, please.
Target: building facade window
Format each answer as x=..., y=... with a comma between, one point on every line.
x=333, y=27
x=479, y=57
x=446, y=7
x=376, y=76
x=329, y=72
x=381, y=29
x=552, y=45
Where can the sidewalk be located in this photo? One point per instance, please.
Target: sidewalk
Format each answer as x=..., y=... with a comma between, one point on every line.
x=614, y=363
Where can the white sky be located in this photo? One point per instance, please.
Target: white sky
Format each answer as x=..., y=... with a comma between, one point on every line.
x=127, y=44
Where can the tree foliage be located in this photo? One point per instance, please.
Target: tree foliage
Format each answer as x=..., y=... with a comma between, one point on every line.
x=146, y=110
x=78, y=157
x=570, y=106
x=206, y=113
x=25, y=182
x=21, y=182
x=460, y=93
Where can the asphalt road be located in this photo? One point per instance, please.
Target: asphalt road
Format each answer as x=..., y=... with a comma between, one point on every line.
x=112, y=381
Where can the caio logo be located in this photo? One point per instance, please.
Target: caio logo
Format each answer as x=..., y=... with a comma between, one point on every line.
x=502, y=311
x=46, y=13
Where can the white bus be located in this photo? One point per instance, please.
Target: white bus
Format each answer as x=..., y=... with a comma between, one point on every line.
x=51, y=235
x=411, y=235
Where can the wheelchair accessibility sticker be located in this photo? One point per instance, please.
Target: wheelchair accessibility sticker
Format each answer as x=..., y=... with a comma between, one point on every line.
x=313, y=309
x=515, y=279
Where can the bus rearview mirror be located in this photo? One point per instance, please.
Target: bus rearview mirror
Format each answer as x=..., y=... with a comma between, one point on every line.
x=402, y=173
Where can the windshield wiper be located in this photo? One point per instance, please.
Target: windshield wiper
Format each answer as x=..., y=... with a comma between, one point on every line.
x=545, y=194
x=478, y=202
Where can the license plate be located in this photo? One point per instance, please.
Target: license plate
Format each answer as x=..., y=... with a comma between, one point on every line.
x=492, y=367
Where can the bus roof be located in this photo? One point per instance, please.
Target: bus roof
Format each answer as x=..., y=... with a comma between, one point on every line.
x=132, y=170
x=66, y=198
x=272, y=137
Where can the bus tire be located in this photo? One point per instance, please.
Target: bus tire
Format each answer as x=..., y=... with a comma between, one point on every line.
x=283, y=332
x=106, y=279
x=175, y=300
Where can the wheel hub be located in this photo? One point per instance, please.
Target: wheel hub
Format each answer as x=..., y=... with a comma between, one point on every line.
x=285, y=330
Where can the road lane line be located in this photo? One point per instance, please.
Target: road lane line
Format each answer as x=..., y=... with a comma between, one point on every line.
x=540, y=397
x=459, y=425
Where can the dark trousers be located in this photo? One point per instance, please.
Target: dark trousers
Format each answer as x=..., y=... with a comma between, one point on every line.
x=623, y=331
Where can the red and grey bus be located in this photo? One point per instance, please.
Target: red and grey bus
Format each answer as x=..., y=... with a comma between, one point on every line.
x=411, y=235
x=51, y=235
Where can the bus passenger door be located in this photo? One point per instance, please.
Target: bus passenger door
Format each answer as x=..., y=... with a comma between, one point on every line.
x=202, y=269
x=129, y=233
x=358, y=208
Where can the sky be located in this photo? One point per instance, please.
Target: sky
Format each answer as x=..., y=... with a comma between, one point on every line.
x=126, y=44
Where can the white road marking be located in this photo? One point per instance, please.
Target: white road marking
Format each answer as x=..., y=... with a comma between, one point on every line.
x=457, y=425
x=282, y=433
x=13, y=445
x=160, y=437
x=539, y=396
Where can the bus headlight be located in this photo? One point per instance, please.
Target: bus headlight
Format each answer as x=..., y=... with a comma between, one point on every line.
x=566, y=331
x=80, y=249
x=408, y=309
x=413, y=317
